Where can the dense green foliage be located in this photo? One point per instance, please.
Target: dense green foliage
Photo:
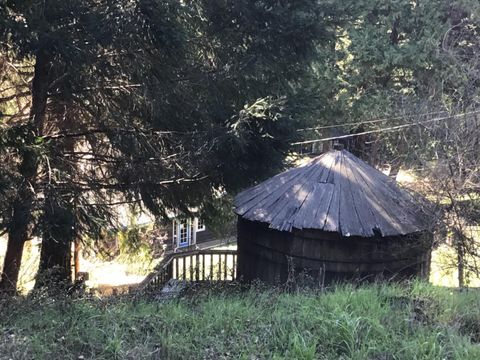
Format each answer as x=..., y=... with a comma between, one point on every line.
x=414, y=321
x=403, y=62
x=171, y=103
x=160, y=102
x=165, y=91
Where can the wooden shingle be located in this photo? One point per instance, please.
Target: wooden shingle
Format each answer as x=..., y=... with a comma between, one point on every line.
x=335, y=192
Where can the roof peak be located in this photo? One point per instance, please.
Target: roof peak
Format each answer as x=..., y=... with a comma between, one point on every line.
x=337, y=192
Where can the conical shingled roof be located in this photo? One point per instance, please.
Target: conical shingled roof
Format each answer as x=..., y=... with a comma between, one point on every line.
x=334, y=192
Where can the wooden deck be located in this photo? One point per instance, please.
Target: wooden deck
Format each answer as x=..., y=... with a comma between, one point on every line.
x=193, y=266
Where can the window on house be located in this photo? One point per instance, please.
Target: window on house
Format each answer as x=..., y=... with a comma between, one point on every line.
x=182, y=232
x=200, y=225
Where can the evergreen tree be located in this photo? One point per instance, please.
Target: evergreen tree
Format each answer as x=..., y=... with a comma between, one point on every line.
x=160, y=101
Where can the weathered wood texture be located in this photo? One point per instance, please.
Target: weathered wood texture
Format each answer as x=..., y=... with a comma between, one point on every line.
x=192, y=266
x=335, y=192
x=270, y=255
x=335, y=218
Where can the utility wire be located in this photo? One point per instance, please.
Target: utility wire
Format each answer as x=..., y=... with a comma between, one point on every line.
x=368, y=121
x=393, y=128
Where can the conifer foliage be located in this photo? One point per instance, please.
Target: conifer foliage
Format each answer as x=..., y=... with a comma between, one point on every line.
x=163, y=102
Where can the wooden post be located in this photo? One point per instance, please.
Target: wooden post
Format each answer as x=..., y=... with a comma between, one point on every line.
x=234, y=267
x=76, y=258
x=211, y=266
x=191, y=268
x=197, y=269
x=176, y=269
x=225, y=267
x=184, y=260
x=203, y=266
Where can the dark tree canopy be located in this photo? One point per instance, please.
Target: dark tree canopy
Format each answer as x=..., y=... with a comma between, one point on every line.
x=166, y=102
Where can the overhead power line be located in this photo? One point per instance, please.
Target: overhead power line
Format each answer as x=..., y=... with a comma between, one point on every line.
x=368, y=121
x=393, y=128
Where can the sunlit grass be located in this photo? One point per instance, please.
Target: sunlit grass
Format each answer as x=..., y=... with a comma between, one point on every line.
x=418, y=321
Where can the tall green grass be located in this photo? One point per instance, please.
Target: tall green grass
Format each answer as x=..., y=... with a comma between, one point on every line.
x=415, y=321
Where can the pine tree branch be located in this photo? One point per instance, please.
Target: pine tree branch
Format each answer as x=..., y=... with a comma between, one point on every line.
x=15, y=96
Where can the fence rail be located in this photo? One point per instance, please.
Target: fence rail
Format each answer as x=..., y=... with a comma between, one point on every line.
x=193, y=266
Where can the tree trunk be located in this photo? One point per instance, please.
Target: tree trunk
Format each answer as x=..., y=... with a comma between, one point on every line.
x=56, y=255
x=18, y=229
x=17, y=235
x=58, y=222
x=460, y=264
x=40, y=85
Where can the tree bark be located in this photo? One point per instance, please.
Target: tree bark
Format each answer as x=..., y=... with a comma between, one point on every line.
x=18, y=230
x=460, y=263
x=58, y=221
x=17, y=235
x=40, y=85
x=55, y=268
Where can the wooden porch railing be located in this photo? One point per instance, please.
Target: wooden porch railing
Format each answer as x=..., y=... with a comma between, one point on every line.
x=193, y=266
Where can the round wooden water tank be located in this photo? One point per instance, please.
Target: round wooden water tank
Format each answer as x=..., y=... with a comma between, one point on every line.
x=335, y=217
x=273, y=256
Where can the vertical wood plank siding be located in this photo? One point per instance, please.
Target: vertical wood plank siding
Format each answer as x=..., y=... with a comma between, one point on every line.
x=335, y=217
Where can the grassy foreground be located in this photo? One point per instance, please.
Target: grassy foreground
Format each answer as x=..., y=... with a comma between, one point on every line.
x=416, y=321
